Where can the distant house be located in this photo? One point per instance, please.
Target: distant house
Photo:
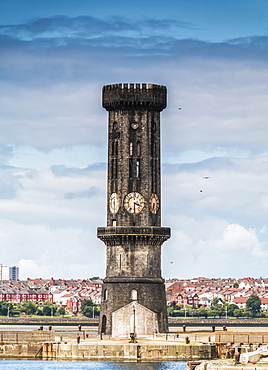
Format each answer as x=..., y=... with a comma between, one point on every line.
x=240, y=302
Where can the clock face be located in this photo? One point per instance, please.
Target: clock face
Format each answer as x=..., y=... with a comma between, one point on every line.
x=154, y=203
x=114, y=203
x=134, y=202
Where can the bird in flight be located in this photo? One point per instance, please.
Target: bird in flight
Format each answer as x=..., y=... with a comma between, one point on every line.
x=206, y=177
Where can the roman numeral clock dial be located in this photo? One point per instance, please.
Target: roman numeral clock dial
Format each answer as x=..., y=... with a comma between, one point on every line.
x=154, y=203
x=134, y=202
x=114, y=203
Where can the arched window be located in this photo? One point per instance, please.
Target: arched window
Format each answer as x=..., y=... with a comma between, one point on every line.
x=115, y=126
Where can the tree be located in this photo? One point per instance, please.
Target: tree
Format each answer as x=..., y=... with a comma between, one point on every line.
x=231, y=309
x=170, y=311
x=253, y=304
x=5, y=308
x=15, y=310
x=235, y=285
x=49, y=309
x=88, y=311
x=29, y=307
x=87, y=307
x=61, y=311
x=237, y=313
x=215, y=302
x=202, y=312
x=247, y=313
x=213, y=313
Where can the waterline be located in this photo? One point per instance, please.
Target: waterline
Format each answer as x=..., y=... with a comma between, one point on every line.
x=88, y=365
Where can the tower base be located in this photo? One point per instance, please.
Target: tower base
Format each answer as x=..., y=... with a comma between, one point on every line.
x=133, y=281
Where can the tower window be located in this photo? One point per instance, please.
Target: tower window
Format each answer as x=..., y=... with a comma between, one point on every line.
x=138, y=148
x=105, y=295
x=114, y=169
x=116, y=148
x=138, y=168
x=134, y=295
x=131, y=148
x=130, y=168
x=115, y=126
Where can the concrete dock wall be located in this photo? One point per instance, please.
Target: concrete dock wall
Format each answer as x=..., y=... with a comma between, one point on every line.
x=134, y=351
x=26, y=336
x=245, y=338
x=26, y=350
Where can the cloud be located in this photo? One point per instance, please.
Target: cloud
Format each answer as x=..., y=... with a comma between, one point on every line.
x=86, y=27
x=93, y=190
x=220, y=231
x=41, y=226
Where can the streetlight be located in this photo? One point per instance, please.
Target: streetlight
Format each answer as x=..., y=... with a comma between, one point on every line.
x=226, y=310
x=51, y=311
x=8, y=310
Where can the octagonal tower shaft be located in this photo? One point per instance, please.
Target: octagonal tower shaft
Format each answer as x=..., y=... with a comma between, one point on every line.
x=134, y=151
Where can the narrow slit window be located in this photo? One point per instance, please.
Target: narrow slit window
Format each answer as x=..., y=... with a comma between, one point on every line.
x=138, y=148
x=116, y=148
x=112, y=170
x=134, y=295
x=131, y=148
x=130, y=168
x=138, y=168
x=115, y=169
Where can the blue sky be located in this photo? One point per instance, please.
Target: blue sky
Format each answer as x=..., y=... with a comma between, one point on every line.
x=55, y=56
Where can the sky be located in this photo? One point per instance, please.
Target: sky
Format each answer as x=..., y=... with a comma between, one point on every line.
x=55, y=56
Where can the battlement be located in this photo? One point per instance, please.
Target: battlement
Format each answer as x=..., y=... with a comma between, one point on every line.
x=126, y=96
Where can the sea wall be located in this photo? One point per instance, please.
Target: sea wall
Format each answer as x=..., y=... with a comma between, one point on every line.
x=22, y=350
x=239, y=337
x=152, y=351
x=26, y=336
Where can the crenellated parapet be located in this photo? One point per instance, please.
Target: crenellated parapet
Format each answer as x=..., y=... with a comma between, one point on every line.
x=125, y=96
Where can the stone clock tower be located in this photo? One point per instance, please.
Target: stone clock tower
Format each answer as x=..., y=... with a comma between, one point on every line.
x=133, y=298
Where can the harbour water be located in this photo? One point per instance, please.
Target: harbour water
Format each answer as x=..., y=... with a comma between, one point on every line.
x=89, y=365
